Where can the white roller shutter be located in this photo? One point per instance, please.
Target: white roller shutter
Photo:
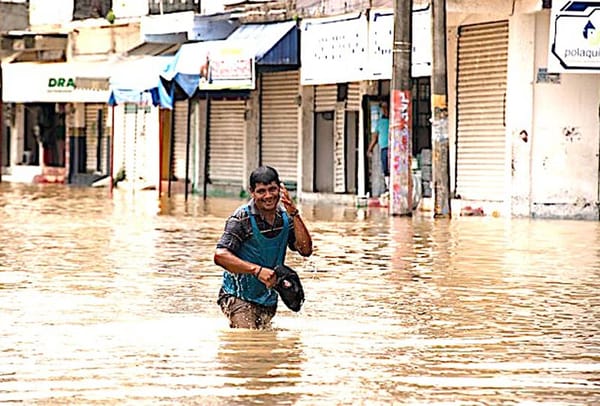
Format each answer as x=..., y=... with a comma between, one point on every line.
x=339, y=185
x=325, y=97
x=226, y=141
x=180, y=139
x=133, y=143
x=354, y=98
x=129, y=140
x=481, y=90
x=279, y=123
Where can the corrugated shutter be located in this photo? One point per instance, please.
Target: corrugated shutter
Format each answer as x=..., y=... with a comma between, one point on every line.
x=141, y=144
x=354, y=97
x=339, y=185
x=92, y=114
x=127, y=155
x=135, y=146
x=325, y=97
x=180, y=139
x=226, y=141
x=279, y=123
x=481, y=90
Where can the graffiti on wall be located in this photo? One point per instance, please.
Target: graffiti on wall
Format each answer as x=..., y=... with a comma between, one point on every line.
x=400, y=151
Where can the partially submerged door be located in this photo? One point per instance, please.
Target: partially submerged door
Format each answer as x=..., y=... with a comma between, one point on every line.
x=324, y=151
x=351, y=153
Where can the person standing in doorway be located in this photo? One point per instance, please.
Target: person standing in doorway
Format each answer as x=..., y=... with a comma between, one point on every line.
x=256, y=238
x=381, y=136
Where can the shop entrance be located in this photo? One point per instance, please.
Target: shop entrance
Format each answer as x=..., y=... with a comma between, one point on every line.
x=44, y=141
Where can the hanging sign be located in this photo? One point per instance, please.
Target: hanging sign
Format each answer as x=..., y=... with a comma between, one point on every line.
x=216, y=65
x=574, y=37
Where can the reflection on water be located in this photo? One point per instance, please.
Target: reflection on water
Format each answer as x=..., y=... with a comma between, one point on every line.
x=112, y=301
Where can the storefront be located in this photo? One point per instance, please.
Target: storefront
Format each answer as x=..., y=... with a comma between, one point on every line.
x=227, y=77
x=138, y=102
x=481, y=92
x=276, y=57
x=346, y=68
x=58, y=130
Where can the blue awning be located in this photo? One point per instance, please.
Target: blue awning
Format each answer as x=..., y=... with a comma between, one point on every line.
x=231, y=63
x=137, y=80
x=274, y=43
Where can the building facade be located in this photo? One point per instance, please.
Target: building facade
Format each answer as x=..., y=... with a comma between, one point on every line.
x=523, y=117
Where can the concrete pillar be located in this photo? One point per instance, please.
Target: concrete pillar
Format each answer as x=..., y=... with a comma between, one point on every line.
x=307, y=136
x=199, y=122
x=519, y=113
x=251, y=140
x=17, y=134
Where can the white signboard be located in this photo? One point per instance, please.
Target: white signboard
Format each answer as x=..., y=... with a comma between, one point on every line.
x=574, y=37
x=334, y=50
x=218, y=64
x=351, y=48
x=381, y=39
x=30, y=82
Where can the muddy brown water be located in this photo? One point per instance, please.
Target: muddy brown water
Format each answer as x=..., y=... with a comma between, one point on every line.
x=112, y=301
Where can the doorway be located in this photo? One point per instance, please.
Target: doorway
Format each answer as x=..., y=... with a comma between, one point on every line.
x=324, y=152
x=351, y=152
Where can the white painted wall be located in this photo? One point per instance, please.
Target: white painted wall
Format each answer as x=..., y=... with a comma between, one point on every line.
x=519, y=112
x=556, y=173
x=566, y=139
x=44, y=12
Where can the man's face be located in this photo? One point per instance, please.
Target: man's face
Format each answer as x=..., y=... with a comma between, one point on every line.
x=265, y=196
x=384, y=109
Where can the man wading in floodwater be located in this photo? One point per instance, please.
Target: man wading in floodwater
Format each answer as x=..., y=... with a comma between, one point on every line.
x=254, y=242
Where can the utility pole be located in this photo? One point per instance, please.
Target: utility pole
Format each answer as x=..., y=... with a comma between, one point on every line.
x=439, y=106
x=1, y=138
x=401, y=113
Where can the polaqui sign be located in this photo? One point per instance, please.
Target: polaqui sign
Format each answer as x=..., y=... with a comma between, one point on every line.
x=575, y=37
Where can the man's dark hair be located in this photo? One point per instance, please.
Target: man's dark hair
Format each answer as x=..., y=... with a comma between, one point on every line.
x=264, y=175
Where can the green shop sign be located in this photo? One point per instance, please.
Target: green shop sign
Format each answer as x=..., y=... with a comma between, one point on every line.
x=61, y=83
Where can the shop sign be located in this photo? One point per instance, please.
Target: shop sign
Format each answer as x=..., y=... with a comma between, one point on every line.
x=574, y=37
x=228, y=67
x=358, y=46
x=33, y=82
x=334, y=49
x=59, y=84
x=218, y=64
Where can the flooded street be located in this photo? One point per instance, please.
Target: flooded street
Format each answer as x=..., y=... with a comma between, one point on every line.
x=113, y=301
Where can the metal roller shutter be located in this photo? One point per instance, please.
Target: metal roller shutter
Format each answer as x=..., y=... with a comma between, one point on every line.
x=354, y=98
x=279, y=123
x=481, y=90
x=142, y=143
x=226, y=141
x=120, y=129
x=325, y=97
x=180, y=139
x=96, y=141
x=132, y=143
x=127, y=155
x=338, y=150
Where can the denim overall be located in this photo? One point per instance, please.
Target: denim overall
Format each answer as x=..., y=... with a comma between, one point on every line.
x=266, y=252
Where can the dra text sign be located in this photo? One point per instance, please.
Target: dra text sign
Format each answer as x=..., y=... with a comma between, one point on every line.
x=574, y=37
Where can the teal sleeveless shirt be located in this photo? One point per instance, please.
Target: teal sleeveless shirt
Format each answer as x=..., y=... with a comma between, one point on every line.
x=266, y=252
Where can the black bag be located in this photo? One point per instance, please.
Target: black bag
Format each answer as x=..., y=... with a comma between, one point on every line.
x=289, y=287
